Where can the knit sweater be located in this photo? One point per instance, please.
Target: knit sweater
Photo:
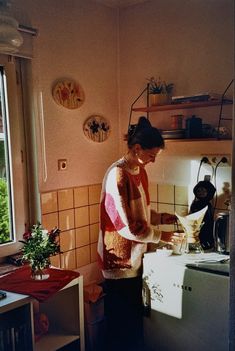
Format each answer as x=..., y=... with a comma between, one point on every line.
x=125, y=226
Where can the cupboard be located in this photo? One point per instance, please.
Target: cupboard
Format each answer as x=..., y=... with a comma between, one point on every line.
x=65, y=311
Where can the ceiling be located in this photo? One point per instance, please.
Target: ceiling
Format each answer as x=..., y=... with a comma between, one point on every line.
x=120, y=3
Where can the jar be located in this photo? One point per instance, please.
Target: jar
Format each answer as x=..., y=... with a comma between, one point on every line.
x=194, y=127
x=176, y=121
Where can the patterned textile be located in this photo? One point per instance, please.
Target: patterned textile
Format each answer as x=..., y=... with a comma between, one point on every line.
x=125, y=226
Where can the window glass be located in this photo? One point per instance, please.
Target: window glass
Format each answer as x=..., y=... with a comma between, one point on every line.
x=6, y=228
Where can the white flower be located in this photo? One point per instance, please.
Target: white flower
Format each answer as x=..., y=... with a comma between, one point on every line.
x=44, y=234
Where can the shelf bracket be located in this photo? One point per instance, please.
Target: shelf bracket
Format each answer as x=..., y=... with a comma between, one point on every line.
x=221, y=109
x=139, y=96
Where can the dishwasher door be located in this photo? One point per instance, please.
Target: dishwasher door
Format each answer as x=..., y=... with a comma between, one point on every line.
x=189, y=309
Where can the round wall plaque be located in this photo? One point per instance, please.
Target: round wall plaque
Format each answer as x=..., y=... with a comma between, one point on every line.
x=96, y=128
x=68, y=93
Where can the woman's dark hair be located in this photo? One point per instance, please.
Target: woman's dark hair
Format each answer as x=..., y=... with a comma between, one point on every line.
x=144, y=134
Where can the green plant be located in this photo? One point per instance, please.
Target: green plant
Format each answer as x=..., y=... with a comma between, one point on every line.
x=4, y=212
x=39, y=245
x=158, y=86
x=2, y=154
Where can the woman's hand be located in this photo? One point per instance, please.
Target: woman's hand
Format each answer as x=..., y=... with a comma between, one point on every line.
x=172, y=237
x=155, y=218
x=167, y=218
x=162, y=218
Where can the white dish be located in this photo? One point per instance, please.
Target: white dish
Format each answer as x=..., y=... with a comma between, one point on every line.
x=164, y=252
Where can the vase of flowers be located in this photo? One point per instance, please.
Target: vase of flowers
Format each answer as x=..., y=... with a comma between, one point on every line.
x=39, y=245
x=160, y=92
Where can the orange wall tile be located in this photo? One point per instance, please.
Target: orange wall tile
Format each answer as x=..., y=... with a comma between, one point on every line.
x=166, y=193
x=68, y=260
x=181, y=195
x=94, y=194
x=153, y=191
x=49, y=202
x=66, y=219
x=67, y=240
x=81, y=216
x=76, y=212
x=82, y=236
x=94, y=232
x=65, y=199
x=50, y=220
x=55, y=261
x=80, y=196
x=83, y=256
x=94, y=213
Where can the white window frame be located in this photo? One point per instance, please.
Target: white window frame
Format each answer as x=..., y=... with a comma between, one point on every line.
x=18, y=159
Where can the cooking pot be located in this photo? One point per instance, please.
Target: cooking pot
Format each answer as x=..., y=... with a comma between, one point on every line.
x=221, y=232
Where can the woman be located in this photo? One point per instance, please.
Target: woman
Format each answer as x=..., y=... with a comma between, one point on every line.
x=125, y=230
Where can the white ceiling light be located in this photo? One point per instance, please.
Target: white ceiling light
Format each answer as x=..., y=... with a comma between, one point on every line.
x=10, y=38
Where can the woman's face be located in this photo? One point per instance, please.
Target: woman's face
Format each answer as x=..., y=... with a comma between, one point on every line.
x=146, y=156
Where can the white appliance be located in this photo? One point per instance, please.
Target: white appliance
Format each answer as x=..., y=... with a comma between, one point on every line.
x=189, y=307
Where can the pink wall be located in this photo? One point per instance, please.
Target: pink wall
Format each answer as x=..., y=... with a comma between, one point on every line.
x=189, y=43
x=77, y=40
x=111, y=52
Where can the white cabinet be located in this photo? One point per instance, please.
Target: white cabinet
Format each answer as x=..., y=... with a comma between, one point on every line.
x=65, y=311
x=16, y=323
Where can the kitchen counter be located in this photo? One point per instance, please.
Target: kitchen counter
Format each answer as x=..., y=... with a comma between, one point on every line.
x=208, y=262
x=188, y=300
x=221, y=268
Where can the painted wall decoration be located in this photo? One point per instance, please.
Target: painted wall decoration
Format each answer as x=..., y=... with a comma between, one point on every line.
x=96, y=128
x=68, y=93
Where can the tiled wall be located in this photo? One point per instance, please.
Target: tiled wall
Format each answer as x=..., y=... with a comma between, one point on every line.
x=169, y=198
x=173, y=198
x=75, y=211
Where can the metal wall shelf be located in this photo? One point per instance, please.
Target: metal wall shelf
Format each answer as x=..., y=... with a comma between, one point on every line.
x=181, y=106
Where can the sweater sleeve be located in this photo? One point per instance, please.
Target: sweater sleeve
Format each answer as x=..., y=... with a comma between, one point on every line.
x=127, y=209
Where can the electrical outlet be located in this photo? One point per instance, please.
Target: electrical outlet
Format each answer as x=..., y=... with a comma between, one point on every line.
x=214, y=159
x=62, y=164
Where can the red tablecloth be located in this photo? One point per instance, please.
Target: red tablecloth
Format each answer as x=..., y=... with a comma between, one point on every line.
x=20, y=282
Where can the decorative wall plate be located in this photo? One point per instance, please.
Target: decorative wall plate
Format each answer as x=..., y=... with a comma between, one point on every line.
x=96, y=128
x=68, y=93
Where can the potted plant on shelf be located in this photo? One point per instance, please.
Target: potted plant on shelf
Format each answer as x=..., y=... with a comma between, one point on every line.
x=160, y=92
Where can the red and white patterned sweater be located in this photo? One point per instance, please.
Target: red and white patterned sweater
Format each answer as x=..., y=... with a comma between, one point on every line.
x=125, y=226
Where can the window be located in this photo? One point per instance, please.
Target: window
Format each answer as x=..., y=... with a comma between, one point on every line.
x=6, y=203
x=13, y=189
